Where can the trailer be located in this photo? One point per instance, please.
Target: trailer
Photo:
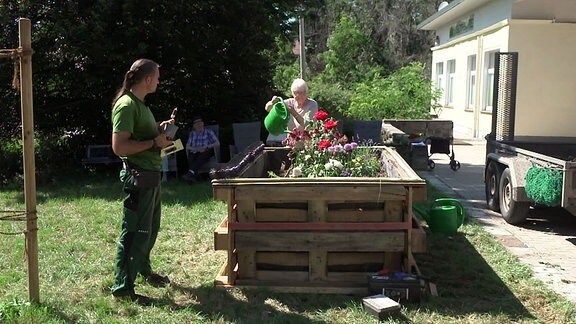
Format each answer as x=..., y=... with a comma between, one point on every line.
x=511, y=157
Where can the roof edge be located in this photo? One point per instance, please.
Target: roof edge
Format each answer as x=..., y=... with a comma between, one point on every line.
x=439, y=13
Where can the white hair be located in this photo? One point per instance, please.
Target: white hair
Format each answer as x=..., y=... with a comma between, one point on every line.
x=299, y=84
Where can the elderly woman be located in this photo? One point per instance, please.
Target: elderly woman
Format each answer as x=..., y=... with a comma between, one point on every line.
x=301, y=109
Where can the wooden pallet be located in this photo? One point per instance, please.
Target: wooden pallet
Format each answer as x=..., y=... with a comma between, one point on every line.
x=316, y=235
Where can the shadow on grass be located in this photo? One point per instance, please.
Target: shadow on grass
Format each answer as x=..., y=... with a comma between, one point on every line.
x=107, y=186
x=259, y=305
x=466, y=283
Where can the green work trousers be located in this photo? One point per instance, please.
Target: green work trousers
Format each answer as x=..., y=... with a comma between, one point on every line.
x=140, y=225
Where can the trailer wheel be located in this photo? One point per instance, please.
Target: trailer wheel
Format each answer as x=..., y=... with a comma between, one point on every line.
x=513, y=212
x=491, y=185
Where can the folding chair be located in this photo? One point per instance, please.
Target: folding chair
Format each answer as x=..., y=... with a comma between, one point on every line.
x=214, y=160
x=244, y=135
x=368, y=132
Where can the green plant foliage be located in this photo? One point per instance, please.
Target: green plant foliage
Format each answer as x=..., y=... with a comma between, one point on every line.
x=349, y=55
x=10, y=311
x=10, y=160
x=405, y=94
x=330, y=96
x=320, y=150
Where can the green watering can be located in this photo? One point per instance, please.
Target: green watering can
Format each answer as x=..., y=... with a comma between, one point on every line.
x=446, y=216
x=277, y=119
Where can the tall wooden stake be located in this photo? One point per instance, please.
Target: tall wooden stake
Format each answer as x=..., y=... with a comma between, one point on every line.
x=28, y=152
x=302, y=49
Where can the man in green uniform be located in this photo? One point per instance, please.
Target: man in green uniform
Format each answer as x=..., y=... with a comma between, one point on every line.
x=137, y=139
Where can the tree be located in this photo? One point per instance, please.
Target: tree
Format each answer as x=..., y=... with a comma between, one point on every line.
x=212, y=57
x=405, y=94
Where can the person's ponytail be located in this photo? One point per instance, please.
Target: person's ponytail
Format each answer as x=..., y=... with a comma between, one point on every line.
x=138, y=71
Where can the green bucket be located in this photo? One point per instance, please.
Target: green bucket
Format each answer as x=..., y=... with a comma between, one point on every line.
x=277, y=119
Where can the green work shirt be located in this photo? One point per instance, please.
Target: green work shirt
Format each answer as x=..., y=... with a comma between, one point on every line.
x=130, y=114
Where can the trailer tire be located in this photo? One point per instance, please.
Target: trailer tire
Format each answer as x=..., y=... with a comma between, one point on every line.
x=491, y=185
x=513, y=212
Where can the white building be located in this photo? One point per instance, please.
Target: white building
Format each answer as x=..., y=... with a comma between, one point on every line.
x=542, y=32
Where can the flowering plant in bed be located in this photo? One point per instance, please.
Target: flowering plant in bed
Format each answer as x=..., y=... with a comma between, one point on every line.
x=320, y=150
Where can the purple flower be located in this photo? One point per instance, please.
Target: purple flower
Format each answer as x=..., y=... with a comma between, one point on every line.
x=338, y=148
x=348, y=147
x=354, y=145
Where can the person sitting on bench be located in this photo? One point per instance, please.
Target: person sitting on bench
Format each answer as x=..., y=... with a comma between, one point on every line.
x=199, y=148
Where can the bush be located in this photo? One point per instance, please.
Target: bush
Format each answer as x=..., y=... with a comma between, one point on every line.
x=405, y=94
x=332, y=97
x=56, y=155
x=10, y=160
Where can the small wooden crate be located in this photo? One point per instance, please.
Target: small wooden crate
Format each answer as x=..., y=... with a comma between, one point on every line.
x=316, y=235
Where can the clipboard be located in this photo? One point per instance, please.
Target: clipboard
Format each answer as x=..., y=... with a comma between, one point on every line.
x=173, y=148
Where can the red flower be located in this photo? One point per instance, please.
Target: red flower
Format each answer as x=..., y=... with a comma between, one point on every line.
x=330, y=124
x=321, y=115
x=324, y=144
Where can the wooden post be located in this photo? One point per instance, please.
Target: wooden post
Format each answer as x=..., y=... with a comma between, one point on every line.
x=28, y=155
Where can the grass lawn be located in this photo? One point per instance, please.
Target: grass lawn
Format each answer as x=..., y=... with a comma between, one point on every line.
x=478, y=280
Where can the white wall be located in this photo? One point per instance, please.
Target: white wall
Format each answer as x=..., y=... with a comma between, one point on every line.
x=470, y=122
x=484, y=17
x=559, y=10
x=546, y=97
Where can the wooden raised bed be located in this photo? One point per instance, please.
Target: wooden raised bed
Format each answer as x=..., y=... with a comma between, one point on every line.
x=316, y=235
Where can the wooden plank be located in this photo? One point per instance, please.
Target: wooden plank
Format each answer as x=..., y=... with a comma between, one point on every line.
x=222, y=277
x=221, y=236
x=281, y=226
x=356, y=216
x=298, y=288
x=308, y=241
x=283, y=259
x=318, y=260
x=221, y=193
x=354, y=258
x=246, y=263
x=408, y=219
x=281, y=215
x=232, y=219
x=279, y=260
x=302, y=278
x=357, y=193
x=393, y=261
x=299, y=277
x=419, y=193
x=394, y=211
x=246, y=210
x=418, y=239
x=317, y=211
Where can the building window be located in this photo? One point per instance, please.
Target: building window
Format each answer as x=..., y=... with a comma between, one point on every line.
x=471, y=82
x=490, y=58
x=451, y=83
x=440, y=81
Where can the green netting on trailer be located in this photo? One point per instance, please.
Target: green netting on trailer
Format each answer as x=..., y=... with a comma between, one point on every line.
x=544, y=185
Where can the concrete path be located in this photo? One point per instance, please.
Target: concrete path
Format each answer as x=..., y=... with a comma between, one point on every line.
x=546, y=242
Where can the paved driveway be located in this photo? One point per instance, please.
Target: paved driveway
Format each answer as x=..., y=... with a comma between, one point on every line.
x=546, y=242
